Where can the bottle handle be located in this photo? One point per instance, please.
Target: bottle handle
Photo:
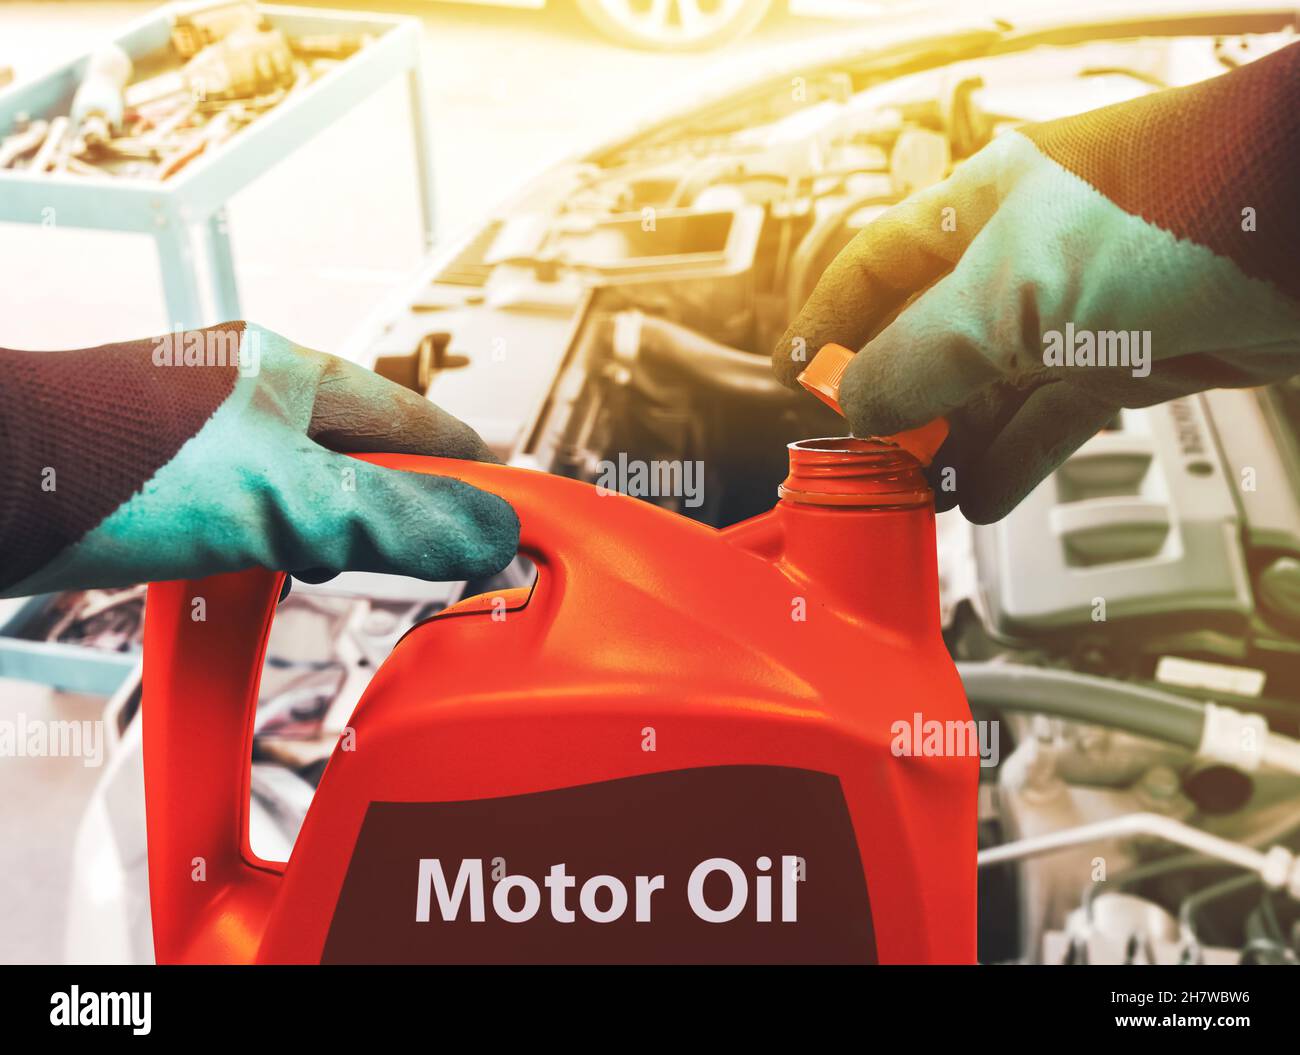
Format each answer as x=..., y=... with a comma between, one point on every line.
x=204, y=646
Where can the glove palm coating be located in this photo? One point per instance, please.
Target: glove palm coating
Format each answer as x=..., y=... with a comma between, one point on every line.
x=1171, y=214
x=124, y=465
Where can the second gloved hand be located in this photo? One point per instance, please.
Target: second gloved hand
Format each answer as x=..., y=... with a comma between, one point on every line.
x=1167, y=223
x=123, y=464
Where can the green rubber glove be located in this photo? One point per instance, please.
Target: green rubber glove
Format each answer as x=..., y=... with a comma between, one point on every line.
x=1170, y=219
x=122, y=464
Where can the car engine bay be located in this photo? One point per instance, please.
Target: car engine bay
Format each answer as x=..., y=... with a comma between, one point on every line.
x=625, y=306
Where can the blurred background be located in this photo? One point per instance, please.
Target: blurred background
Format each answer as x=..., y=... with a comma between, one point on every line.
x=320, y=237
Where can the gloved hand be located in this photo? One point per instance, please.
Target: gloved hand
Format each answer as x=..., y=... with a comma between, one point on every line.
x=1173, y=216
x=121, y=465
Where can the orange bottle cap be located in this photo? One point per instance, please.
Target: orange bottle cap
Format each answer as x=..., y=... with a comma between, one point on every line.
x=822, y=377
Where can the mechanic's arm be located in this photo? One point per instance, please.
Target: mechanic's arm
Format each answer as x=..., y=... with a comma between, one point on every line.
x=1173, y=218
x=124, y=465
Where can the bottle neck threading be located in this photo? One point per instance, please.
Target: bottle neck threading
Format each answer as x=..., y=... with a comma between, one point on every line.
x=845, y=471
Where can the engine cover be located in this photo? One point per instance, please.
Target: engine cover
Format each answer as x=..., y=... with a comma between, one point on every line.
x=1140, y=524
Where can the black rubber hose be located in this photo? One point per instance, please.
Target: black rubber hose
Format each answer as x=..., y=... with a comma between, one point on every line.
x=1084, y=698
x=691, y=357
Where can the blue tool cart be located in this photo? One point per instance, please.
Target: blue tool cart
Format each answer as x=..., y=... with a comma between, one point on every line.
x=186, y=213
x=61, y=665
x=186, y=216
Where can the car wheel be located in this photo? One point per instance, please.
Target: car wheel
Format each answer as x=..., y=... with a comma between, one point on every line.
x=666, y=25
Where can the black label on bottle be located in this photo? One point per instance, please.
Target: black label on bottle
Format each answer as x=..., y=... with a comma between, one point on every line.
x=721, y=864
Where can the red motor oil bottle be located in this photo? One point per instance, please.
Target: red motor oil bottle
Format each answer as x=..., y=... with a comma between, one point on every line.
x=680, y=745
